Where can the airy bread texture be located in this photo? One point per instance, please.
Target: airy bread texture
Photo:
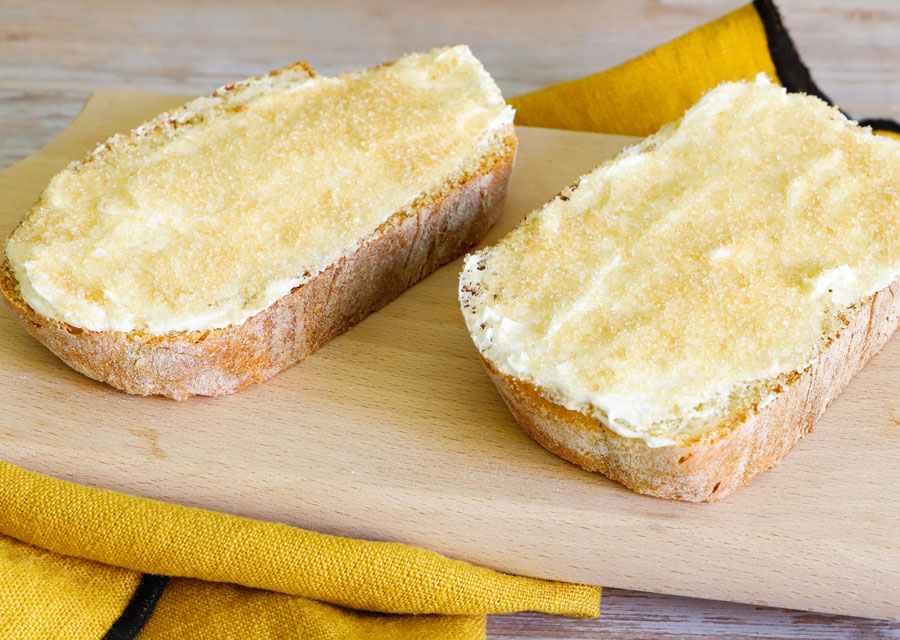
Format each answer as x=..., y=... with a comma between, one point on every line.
x=657, y=320
x=222, y=242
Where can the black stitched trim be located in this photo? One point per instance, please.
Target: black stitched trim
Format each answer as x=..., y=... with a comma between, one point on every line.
x=138, y=609
x=792, y=73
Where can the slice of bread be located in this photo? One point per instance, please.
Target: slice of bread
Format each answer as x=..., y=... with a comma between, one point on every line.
x=683, y=314
x=224, y=241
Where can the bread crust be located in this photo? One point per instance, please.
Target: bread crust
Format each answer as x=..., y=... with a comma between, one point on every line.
x=401, y=252
x=709, y=469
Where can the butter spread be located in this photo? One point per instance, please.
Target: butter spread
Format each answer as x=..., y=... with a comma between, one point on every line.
x=676, y=280
x=207, y=218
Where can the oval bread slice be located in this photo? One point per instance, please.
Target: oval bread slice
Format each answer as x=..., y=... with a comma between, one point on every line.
x=683, y=314
x=212, y=355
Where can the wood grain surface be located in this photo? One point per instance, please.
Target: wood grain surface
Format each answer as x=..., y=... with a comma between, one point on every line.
x=53, y=53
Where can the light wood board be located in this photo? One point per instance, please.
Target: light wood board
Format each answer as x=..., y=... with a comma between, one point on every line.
x=394, y=432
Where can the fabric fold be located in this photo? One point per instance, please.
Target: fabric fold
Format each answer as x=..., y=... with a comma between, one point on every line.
x=154, y=537
x=639, y=96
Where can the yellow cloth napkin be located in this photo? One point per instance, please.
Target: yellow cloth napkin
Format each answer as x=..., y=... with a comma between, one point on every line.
x=72, y=557
x=77, y=562
x=640, y=96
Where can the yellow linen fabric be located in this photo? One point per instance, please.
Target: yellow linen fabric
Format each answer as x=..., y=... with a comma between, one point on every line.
x=72, y=556
x=62, y=519
x=46, y=595
x=206, y=610
x=640, y=96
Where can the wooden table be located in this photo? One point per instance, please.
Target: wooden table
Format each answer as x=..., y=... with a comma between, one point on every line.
x=53, y=53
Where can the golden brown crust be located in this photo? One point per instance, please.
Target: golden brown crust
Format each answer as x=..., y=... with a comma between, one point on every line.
x=709, y=470
x=404, y=250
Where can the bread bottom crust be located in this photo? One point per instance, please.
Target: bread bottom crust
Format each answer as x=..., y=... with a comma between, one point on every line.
x=221, y=361
x=709, y=469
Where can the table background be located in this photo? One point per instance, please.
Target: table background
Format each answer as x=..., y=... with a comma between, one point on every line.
x=53, y=53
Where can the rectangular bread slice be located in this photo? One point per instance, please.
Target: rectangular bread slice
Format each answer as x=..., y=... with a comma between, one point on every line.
x=226, y=240
x=680, y=317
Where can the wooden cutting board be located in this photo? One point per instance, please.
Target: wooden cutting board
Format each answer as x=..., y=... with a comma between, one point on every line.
x=394, y=432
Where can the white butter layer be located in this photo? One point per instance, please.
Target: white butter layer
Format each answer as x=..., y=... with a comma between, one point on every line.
x=677, y=279
x=221, y=208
